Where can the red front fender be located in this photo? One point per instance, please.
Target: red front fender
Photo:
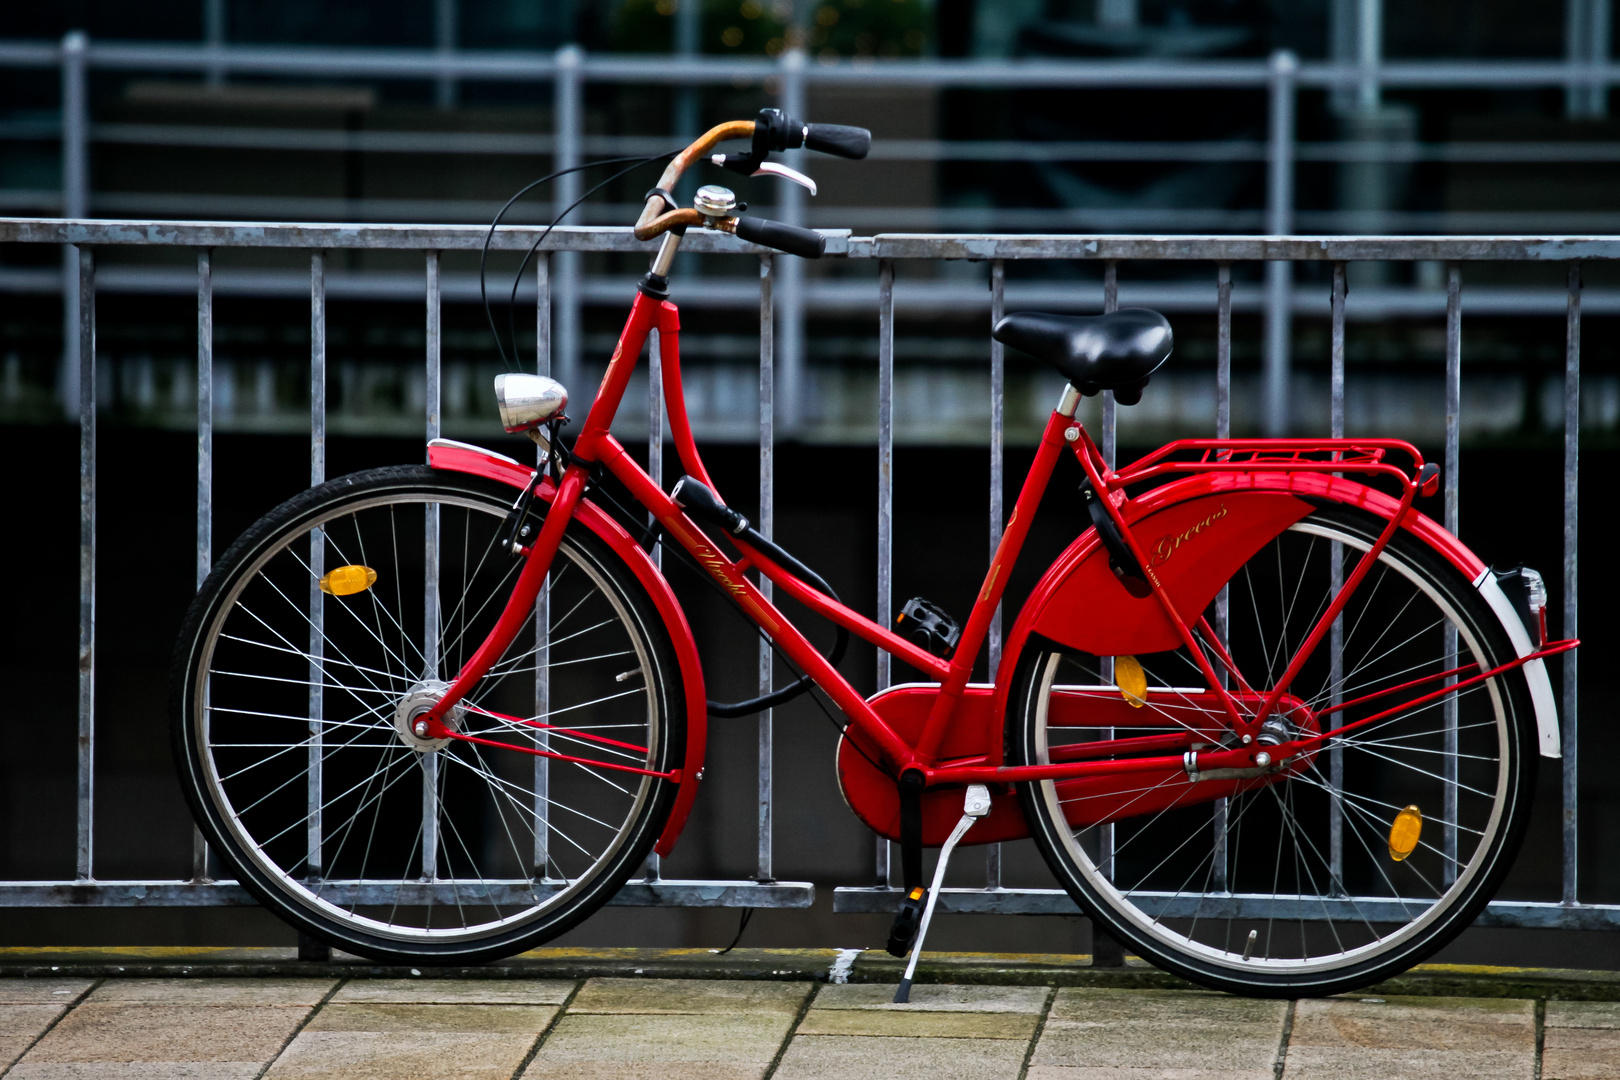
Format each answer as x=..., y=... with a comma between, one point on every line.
x=461, y=457
x=1196, y=532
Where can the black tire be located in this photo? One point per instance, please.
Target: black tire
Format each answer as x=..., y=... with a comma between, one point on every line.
x=502, y=877
x=1287, y=920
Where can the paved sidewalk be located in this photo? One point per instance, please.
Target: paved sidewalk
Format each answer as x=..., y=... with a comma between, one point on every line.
x=606, y=1028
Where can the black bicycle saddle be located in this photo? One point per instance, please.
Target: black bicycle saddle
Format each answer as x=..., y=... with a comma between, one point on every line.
x=1118, y=351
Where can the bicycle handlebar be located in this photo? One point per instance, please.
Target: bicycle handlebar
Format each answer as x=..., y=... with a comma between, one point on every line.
x=773, y=130
x=805, y=243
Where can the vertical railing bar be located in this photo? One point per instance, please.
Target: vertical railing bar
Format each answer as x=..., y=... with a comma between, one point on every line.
x=885, y=513
x=1571, y=628
x=655, y=469
x=790, y=286
x=205, y=475
x=317, y=556
x=1280, y=154
x=86, y=291
x=998, y=426
x=1335, y=583
x=542, y=605
x=1110, y=414
x=765, y=870
x=567, y=123
x=1452, y=481
x=1110, y=449
x=433, y=386
x=75, y=201
x=1223, y=430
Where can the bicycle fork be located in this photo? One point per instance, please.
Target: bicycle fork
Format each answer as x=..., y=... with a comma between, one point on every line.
x=976, y=806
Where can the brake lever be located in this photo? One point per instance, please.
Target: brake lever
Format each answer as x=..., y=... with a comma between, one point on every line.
x=764, y=168
x=771, y=168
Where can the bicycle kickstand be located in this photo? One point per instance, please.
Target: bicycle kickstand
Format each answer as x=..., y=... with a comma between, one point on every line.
x=976, y=806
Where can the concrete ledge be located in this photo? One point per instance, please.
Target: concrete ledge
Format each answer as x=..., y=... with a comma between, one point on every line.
x=1425, y=980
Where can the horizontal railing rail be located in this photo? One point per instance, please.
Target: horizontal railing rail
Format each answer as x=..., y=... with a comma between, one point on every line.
x=1216, y=253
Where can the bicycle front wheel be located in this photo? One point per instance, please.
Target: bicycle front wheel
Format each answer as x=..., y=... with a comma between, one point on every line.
x=329, y=627
x=1296, y=881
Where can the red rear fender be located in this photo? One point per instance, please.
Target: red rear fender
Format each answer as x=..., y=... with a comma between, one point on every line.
x=1196, y=533
x=461, y=457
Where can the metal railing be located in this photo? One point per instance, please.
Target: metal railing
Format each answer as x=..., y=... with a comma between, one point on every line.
x=1214, y=255
x=789, y=79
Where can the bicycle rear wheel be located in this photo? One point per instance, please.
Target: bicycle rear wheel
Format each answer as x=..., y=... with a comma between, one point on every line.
x=1289, y=884
x=294, y=699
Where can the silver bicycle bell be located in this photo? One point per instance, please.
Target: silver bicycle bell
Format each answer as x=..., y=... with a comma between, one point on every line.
x=714, y=201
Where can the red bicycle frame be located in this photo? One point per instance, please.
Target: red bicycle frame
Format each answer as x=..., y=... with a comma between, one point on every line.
x=1250, y=464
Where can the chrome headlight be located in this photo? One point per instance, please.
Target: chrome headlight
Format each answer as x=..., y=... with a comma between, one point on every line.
x=527, y=401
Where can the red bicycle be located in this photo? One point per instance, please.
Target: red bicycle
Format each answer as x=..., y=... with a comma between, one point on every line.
x=1269, y=725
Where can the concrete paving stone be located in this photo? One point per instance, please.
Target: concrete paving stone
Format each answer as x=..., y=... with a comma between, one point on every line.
x=28, y=1020
x=456, y=991
x=1106, y=1006
x=947, y=1025
x=1161, y=1031
x=715, y=996
x=1463, y=1024
x=399, y=1055
x=931, y=997
x=42, y=991
x=207, y=991
x=1583, y=1014
x=1363, y=1063
x=652, y=1041
x=412, y=1017
x=169, y=1033
x=1158, y=1046
x=137, y=1070
x=640, y=1070
x=1580, y=1053
x=858, y=1057
x=11, y=1048
x=1085, y=1072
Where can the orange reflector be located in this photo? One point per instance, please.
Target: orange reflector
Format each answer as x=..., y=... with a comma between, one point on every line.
x=348, y=580
x=1404, y=834
x=1131, y=680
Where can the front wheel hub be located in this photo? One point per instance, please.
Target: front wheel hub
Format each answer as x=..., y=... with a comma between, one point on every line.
x=410, y=717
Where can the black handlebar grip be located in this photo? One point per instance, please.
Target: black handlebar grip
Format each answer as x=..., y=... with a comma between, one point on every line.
x=805, y=243
x=838, y=140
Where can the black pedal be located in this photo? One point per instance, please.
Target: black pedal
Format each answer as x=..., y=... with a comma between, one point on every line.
x=929, y=626
x=903, y=934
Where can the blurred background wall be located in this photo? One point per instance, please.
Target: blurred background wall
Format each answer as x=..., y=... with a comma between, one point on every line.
x=357, y=111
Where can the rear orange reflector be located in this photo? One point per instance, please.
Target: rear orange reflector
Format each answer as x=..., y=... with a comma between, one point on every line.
x=1131, y=680
x=348, y=580
x=1404, y=833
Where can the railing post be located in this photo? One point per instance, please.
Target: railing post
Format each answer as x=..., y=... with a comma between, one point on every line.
x=767, y=527
x=1336, y=583
x=446, y=23
x=1572, y=488
x=214, y=32
x=85, y=286
x=1223, y=430
x=317, y=561
x=542, y=604
x=205, y=471
x=433, y=382
x=1279, y=324
x=1452, y=481
x=998, y=428
x=568, y=122
x=75, y=176
x=791, y=273
x=885, y=514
